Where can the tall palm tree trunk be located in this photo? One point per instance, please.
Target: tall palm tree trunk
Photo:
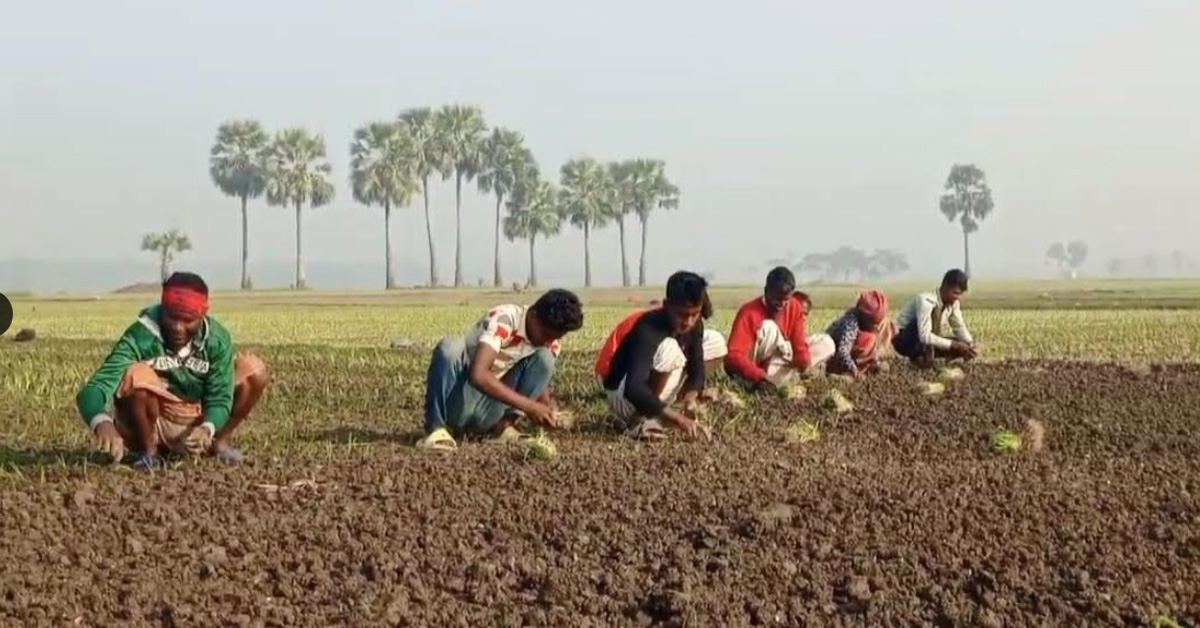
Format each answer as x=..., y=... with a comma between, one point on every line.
x=966, y=253
x=164, y=264
x=496, y=280
x=642, y=262
x=433, y=276
x=387, y=243
x=532, y=264
x=587, y=256
x=245, y=247
x=458, y=274
x=624, y=261
x=299, y=250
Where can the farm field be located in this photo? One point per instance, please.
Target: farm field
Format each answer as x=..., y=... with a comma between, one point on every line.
x=902, y=512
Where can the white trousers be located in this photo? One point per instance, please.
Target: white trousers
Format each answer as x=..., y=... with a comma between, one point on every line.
x=669, y=359
x=773, y=351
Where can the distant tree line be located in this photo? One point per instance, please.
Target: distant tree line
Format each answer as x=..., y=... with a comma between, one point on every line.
x=1175, y=263
x=846, y=263
x=394, y=161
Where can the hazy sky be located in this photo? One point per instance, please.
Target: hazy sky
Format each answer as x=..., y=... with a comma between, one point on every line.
x=790, y=126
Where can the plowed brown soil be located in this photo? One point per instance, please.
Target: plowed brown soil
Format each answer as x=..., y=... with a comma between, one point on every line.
x=900, y=514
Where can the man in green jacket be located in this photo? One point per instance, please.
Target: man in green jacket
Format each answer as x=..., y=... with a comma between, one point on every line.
x=172, y=383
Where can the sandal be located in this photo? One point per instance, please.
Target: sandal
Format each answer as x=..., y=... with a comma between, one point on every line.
x=649, y=429
x=507, y=435
x=438, y=440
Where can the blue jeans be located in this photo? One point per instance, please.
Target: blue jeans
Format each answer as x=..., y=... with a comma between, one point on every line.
x=453, y=402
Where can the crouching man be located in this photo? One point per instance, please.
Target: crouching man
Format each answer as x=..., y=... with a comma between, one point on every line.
x=660, y=362
x=715, y=348
x=500, y=371
x=931, y=325
x=769, y=345
x=172, y=384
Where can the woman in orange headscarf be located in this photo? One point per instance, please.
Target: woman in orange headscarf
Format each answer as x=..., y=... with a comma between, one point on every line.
x=858, y=335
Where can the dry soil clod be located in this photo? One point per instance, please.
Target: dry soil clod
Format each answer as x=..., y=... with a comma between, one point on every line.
x=1035, y=435
x=951, y=374
x=931, y=389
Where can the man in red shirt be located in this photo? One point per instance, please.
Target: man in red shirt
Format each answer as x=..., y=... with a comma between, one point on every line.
x=769, y=345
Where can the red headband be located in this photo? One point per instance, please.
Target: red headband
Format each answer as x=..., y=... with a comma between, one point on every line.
x=185, y=300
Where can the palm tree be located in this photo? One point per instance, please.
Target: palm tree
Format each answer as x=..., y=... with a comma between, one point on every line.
x=533, y=211
x=460, y=131
x=168, y=246
x=651, y=189
x=969, y=199
x=506, y=161
x=381, y=173
x=236, y=166
x=624, y=177
x=428, y=158
x=588, y=199
x=298, y=175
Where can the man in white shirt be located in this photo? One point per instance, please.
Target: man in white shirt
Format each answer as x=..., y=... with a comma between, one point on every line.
x=499, y=371
x=931, y=324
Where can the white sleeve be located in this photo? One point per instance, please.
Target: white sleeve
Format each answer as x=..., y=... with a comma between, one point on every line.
x=925, y=327
x=959, y=326
x=497, y=328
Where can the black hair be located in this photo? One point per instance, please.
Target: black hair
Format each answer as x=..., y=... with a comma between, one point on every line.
x=186, y=280
x=559, y=310
x=706, y=309
x=687, y=288
x=955, y=278
x=781, y=278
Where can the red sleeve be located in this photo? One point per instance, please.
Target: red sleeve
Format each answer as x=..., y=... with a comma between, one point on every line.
x=613, y=342
x=741, y=345
x=796, y=326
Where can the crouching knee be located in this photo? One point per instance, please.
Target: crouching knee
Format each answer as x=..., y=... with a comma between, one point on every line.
x=252, y=372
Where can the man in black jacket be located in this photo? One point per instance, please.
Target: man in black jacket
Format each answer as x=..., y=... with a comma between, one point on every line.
x=661, y=361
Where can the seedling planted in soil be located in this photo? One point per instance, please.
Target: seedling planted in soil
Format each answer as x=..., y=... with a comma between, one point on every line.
x=539, y=447
x=1005, y=440
x=835, y=401
x=732, y=399
x=801, y=432
x=791, y=392
x=1166, y=621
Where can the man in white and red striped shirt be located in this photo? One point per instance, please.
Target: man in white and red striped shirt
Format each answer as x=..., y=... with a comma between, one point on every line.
x=499, y=371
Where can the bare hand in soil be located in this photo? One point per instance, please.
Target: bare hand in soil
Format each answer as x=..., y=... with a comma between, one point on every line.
x=960, y=349
x=109, y=441
x=564, y=419
x=201, y=440
x=690, y=428
x=541, y=414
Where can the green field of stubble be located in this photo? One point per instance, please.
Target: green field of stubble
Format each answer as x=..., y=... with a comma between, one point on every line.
x=338, y=382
